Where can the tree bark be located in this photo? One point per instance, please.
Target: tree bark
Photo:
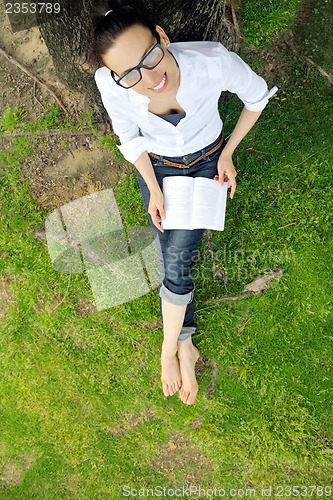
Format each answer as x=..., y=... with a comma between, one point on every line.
x=68, y=37
x=186, y=20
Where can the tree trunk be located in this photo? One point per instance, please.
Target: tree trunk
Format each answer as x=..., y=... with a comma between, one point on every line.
x=68, y=35
x=185, y=20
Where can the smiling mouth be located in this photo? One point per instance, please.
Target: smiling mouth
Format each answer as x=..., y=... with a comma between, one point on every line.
x=161, y=86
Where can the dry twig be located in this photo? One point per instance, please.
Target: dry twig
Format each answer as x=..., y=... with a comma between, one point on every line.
x=47, y=132
x=35, y=97
x=325, y=74
x=36, y=78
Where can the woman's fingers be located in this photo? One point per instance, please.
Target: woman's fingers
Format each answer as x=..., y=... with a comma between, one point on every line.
x=232, y=184
x=157, y=213
x=157, y=222
x=227, y=172
x=161, y=211
x=231, y=180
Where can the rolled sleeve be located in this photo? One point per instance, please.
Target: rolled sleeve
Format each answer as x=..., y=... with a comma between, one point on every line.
x=133, y=144
x=240, y=79
x=134, y=148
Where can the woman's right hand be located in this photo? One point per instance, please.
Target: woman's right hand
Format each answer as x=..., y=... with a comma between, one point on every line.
x=156, y=209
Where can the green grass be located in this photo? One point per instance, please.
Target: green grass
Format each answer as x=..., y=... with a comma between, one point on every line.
x=315, y=37
x=11, y=118
x=261, y=22
x=81, y=409
x=109, y=143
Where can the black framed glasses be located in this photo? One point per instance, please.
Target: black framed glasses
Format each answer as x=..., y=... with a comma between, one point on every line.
x=133, y=76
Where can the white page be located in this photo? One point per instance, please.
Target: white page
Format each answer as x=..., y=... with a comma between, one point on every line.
x=209, y=204
x=194, y=203
x=178, y=202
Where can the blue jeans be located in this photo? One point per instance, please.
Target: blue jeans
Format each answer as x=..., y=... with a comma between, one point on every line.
x=177, y=247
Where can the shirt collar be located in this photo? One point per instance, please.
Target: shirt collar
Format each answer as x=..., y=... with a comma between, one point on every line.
x=185, y=66
x=141, y=101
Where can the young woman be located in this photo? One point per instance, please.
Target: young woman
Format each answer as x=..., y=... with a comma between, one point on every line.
x=162, y=99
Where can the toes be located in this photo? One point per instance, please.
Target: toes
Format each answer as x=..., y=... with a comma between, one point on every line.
x=191, y=399
x=170, y=389
x=188, y=397
x=176, y=386
x=166, y=390
x=183, y=396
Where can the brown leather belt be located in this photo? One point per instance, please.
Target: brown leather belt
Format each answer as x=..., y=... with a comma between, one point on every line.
x=181, y=165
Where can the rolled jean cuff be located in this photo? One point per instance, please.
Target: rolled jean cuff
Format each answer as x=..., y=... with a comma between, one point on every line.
x=186, y=332
x=175, y=298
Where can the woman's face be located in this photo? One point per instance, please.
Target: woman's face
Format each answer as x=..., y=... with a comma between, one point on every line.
x=129, y=50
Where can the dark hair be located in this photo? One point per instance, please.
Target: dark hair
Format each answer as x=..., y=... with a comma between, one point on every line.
x=109, y=27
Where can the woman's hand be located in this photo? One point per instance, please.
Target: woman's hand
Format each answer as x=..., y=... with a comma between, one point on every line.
x=227, y=172
x=156, y=209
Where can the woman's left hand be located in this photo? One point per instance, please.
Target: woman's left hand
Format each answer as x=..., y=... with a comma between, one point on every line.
x=227, y=172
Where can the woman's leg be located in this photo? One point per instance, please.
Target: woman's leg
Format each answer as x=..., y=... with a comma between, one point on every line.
x=172, y=315
x=177, y=290
x=176, y=307
x=188, y=355
x=173, y=318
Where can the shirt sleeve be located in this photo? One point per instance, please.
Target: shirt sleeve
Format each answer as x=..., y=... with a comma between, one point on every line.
x=239, y=78
x=133, y=144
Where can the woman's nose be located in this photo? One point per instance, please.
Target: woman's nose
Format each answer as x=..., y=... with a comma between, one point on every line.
x=150, y=77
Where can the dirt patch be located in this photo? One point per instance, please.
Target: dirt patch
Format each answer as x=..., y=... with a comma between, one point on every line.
x=63, y=168
x=17, y=89
x=85, y=307
x=181, y=456
x=149, y=325
x=130, y=422
x=72, y=483
x=6, y=296
x=12, y=473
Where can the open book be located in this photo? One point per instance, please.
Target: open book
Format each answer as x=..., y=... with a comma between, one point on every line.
x=194, y=203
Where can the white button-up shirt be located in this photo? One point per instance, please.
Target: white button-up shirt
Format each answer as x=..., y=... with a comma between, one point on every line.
x=206, y=69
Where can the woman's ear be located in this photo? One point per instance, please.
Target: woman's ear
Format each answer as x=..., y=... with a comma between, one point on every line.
x=164, y=37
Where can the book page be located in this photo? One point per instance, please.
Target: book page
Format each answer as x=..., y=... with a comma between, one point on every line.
x=178, y=202
x=209, y=204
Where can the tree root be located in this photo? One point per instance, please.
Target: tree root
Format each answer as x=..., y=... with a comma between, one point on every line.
x=47, y=133
x=36, y=78
x=323, y=73
x=308, y=60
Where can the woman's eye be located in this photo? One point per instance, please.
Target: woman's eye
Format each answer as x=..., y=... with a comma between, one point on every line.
x=151, y=59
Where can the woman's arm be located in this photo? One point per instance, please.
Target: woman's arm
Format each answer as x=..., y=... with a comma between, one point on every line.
x=225, y=165
x=155, y=208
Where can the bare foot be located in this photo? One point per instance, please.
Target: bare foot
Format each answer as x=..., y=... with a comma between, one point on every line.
x=171, y=379
x=188, y=355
